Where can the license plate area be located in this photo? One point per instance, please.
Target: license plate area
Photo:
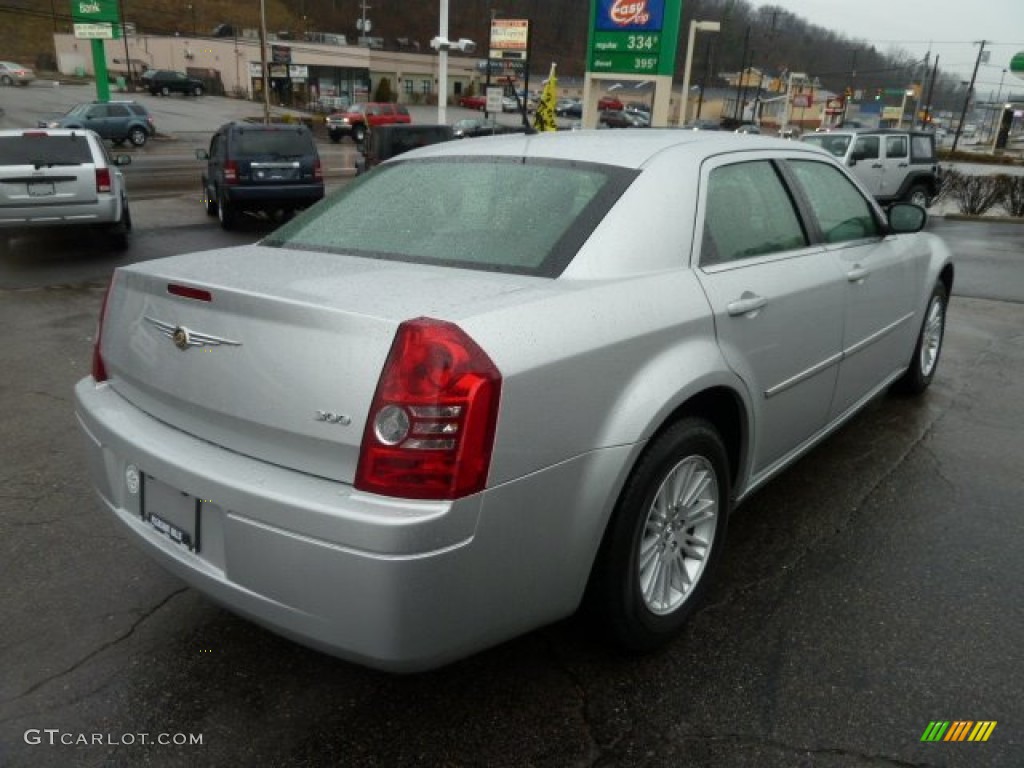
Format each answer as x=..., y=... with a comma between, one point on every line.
x=173, y=513
x=41, y=189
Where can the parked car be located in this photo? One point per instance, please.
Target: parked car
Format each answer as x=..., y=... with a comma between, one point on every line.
x=572, y=110
x=15, y=74
x=509, y=104
x=118, y=121
x=609, y=103
x=426, y=416
x=164, y=82
x=473, y=102
x=702, y=125
x=471, y=127
x=620, y=118
x=387, y=141
x=56, y=178
x=357, y=118
x=749, y=128
x=263, y=168
x=892, y=164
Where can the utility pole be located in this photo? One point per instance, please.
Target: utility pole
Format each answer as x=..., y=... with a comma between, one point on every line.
x=967, y=98
x=931, y=91
x=739, y=83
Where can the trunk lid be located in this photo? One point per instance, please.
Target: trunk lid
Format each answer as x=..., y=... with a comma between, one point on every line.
x=280, y=362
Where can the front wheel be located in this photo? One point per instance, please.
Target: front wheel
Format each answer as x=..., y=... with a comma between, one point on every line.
x=358, y=134
x=929, y=345
x=665, y=537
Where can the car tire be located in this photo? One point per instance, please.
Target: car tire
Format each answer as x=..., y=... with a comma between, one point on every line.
x=210, y=202
x=335, y=137
x=929, y=345
x=6, y=80
x=197, y=91
x=665, y=537
x=120, y=231
x=226, y=213
x=165, y=91
x=358, y=134
x=918, y=195
x=138, y=136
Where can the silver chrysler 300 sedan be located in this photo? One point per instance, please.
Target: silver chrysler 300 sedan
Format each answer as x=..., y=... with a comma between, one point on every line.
x=490, y=379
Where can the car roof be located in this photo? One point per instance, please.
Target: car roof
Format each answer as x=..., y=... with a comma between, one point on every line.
x=632, y=150
x=47, y=131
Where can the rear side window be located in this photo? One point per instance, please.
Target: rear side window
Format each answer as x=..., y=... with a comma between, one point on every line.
x=493, y=214
x=748, y=213
x=842, y=212
x=867, y=147
x=895, y=146
x=43, y=150
x=272, y=143
x=922, y=148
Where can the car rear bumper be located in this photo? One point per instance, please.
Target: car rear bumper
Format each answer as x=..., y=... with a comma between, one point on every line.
x=103, y=211
x=281, y=195
x=393, y=584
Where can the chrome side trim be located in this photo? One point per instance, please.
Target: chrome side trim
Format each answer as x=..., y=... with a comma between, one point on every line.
x=877, y=335
x=803, y=375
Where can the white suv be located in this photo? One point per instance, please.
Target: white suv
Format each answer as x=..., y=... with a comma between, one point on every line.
x=894, y=165
x=61, y=177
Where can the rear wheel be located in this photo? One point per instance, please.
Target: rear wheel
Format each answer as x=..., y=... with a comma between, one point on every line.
x=138, y=136
x=226, y=213
x=918, y=195
x=929, y=345
x=165, y=91
x=119, y=232
x=665, y=537
x=209, y=200
x=197, y=91
x=6, y=80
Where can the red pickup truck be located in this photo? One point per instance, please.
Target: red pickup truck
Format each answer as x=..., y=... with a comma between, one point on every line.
x=357, y=117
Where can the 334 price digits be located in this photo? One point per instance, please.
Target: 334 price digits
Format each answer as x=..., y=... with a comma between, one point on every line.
x=642, y=42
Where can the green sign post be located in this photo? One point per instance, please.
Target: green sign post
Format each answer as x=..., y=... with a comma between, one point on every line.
x=96, y=21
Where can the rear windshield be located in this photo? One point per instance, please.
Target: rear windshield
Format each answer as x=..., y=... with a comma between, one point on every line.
x=497, y=214
x=42, y=150
x=272, y=143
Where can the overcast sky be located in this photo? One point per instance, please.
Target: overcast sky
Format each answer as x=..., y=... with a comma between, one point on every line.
x=951, y=26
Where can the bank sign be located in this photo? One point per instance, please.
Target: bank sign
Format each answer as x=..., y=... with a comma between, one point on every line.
x=637, y=37
x=96, y=18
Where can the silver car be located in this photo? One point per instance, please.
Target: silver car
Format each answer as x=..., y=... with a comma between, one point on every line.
x=12, y=73
x=61, y=177
x=493, y=378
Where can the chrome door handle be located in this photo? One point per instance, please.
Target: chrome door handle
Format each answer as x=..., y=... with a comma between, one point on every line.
x=745, y=304
x=857, y=275
x=876, y=165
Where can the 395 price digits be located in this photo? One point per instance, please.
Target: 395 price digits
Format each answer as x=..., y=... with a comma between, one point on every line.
x=645, y=63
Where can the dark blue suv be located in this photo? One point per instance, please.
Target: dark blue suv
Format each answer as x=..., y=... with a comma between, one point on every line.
x=254, y=167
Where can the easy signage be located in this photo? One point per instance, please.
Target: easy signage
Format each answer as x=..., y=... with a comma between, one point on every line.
x=633, y=37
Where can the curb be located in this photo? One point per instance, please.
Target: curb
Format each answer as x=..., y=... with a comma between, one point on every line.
x=987, y=219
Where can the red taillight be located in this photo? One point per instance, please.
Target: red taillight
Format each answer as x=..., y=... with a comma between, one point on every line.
x=318, y=172
x=102, y=179
x=99, y=369
x=230, y=172
x=430, y=429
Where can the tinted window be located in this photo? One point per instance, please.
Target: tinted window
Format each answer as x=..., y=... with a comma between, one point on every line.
x=867, y=147
x=895, y=146
x=117, y=110
x=841, y=210
x=261, y=143
x=482, y=213
x=922, y=148
x=748, y=213
x=835, y=144
x=42, y=149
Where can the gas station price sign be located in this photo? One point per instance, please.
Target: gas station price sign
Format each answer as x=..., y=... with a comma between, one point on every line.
x=626, y=37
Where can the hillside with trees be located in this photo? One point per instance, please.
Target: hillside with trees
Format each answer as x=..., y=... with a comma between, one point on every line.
x=767, y=37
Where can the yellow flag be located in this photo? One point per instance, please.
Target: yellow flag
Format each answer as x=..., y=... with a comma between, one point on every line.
x=544, y=119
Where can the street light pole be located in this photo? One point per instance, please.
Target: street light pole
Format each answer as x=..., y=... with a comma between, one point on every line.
x=704, y=26
x=442, y=65
x=263, y=63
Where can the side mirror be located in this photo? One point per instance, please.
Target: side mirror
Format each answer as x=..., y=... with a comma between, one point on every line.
x=906, y=218
x=202, y=154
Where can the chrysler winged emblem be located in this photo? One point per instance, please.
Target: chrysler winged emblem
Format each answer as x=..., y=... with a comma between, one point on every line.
x=185, y=338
